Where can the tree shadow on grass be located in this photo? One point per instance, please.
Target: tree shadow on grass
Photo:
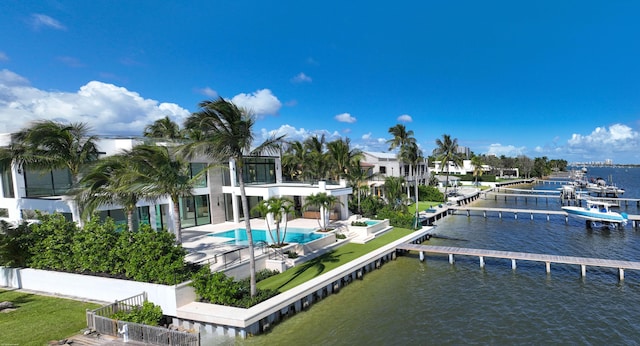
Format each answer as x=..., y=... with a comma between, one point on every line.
x=318, y=263
x=16, y=300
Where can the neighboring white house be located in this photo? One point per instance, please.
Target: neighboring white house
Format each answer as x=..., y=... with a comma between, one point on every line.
x=387, y=165
x=216, y=198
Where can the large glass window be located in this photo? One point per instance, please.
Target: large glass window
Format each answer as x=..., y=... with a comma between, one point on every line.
x=194, y=211
x=228, y=211
x=259, y=170
x=7, y=183
x=118, y=216
x=162, y=216
x=197, y=168
x=47, y=183
x=144, y=217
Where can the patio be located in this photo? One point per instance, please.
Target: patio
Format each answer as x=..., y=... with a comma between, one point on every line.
x=218, y=252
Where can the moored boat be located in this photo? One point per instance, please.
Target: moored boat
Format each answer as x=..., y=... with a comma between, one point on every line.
x=597, y=213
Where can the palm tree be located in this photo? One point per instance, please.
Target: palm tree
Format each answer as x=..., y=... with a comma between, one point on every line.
x=105, y=184
x=477, y=163
x=164, y=128
x=324, y=203
x=50, y=145
x=358, y=178
x=402, y=139
x=342, y=157
x=277, y=208
x=227, y=134
x=316, y=165
x=394, y=194
x=447, y=151
x=159, y=172
x=411, y=154
x=293, y=160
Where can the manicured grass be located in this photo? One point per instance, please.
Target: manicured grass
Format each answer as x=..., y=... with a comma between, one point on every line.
x=331, y=260
x=40, y=319
x=424, y=205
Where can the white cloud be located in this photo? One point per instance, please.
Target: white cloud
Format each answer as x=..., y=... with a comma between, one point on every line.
x=345, y=118
x=293, y=134
x=366, y=136
x=107, y=108
x=618, y=135
x=3, y=56
x=11, y=79
x=605, y=142
x=498, y=149
x=39, y=21
x=301, y=78
x=207, y=92
x=261, y=102
x=405, y=118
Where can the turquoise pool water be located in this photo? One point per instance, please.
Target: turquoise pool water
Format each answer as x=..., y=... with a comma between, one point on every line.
x=372, y=222
x=294, y=235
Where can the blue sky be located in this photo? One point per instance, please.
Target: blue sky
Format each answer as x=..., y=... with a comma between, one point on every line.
x=540, y=78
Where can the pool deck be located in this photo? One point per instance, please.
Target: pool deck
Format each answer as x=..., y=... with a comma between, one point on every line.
x=203, y=248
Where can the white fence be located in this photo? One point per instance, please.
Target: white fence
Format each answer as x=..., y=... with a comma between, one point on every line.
x=96, y=288
x=98, y=320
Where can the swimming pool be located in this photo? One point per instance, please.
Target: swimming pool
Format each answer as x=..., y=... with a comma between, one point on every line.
x=372, y=222
x=294, y=235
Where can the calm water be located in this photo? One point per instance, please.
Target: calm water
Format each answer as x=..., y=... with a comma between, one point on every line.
x=433, y=302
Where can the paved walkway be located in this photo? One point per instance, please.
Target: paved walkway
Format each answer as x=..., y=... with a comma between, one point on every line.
x=102, y=340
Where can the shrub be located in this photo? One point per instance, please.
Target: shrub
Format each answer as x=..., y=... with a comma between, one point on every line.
x=265, y=273
x=149, y=314
x=396, y=218
x=370, y=205
x=98, y=248
x=15, y=244
x=359, y=224
x=217, y=288
x=292, y=254
x=430, y=193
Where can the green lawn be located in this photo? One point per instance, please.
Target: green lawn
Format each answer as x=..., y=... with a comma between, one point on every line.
x=424, y=205
x=333, y=259
x=40, y=319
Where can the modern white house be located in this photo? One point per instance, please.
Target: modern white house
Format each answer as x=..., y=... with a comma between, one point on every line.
x=216, y=199
x=385, y=165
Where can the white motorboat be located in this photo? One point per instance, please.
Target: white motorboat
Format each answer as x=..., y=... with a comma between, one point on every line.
x=601, y=188
x=597, y=213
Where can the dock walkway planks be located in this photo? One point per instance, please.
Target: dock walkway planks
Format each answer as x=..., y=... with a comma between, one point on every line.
x=513, y=256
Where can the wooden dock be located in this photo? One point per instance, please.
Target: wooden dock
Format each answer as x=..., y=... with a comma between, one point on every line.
x=513, y=211
x=583, y=262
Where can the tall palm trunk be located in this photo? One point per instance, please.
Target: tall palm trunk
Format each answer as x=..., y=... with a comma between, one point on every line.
x=177, y=223
x=247, y=226
x=130, y=219
x=446, y=185
x=415, y=181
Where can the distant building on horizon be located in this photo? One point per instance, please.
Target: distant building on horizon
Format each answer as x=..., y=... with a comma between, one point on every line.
x=464, y=151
